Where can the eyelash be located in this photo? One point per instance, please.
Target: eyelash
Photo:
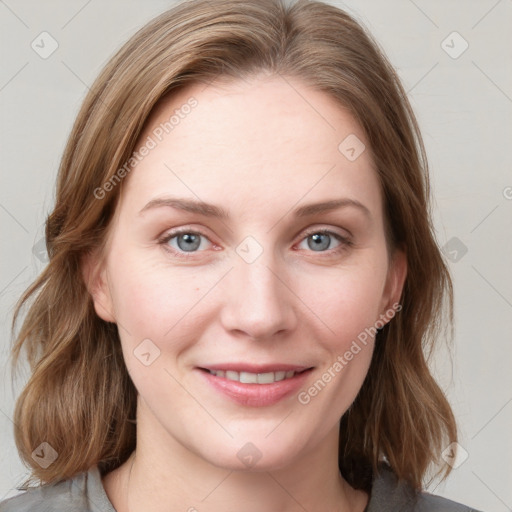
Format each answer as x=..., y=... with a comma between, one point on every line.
x=345, y=242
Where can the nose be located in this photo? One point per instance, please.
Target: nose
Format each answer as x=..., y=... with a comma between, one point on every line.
x=259, y=301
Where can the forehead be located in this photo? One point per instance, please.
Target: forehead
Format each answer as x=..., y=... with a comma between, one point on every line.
x=253, y=144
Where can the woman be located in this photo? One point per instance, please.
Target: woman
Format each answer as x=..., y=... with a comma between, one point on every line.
x=242, y=279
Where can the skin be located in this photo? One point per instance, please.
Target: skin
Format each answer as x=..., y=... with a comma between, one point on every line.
x=260, y=149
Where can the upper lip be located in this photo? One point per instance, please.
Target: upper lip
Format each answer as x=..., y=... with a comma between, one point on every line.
x=256, y=368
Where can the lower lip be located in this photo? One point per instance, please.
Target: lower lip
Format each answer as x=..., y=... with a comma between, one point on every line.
x=256, y=395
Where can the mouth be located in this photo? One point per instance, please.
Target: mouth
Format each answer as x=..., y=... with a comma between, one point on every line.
x=255, y=378
x=255, y=386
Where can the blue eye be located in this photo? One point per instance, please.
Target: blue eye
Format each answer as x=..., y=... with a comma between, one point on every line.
x=186, y=241
x=320, y=241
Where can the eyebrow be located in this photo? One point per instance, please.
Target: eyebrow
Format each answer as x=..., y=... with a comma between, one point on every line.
x=211, y=210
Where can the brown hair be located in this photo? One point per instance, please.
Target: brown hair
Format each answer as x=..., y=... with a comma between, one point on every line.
x=79, y=398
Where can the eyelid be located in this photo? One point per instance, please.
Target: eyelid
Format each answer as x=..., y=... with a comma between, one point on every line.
x=168, y=235
x=345, y=240
x=328, y=230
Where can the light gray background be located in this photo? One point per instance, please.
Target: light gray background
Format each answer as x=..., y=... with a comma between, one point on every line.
x=464, y=106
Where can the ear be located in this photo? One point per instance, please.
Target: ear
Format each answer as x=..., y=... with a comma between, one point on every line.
x=397, y=273
x=95, y=278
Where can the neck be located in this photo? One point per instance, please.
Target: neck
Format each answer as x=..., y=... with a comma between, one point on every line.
x=163, y=475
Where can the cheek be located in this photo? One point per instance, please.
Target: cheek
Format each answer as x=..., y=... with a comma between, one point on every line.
x=152, y=300
x=345, y=300
x=347, y=313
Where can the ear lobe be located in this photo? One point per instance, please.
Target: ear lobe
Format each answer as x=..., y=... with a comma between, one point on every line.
x=95, y=278
x=395, y=280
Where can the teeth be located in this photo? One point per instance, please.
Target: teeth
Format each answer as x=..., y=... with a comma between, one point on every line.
x=248, y=378
x=280, y=376
x=232, y=375
x=254, y=378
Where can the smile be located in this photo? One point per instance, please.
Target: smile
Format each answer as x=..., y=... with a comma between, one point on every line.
x=254, y=378
x=263, y=386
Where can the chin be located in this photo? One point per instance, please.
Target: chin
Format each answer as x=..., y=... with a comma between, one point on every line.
x=258, y=456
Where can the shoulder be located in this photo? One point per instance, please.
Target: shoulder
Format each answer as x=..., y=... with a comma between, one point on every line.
x=77, y=494
x=430, y=503
x=390, y=495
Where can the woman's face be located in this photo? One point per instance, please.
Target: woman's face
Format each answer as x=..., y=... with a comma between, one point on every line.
x=257, y=287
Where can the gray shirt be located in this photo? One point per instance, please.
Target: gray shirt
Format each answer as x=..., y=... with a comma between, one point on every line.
x=85, y=493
